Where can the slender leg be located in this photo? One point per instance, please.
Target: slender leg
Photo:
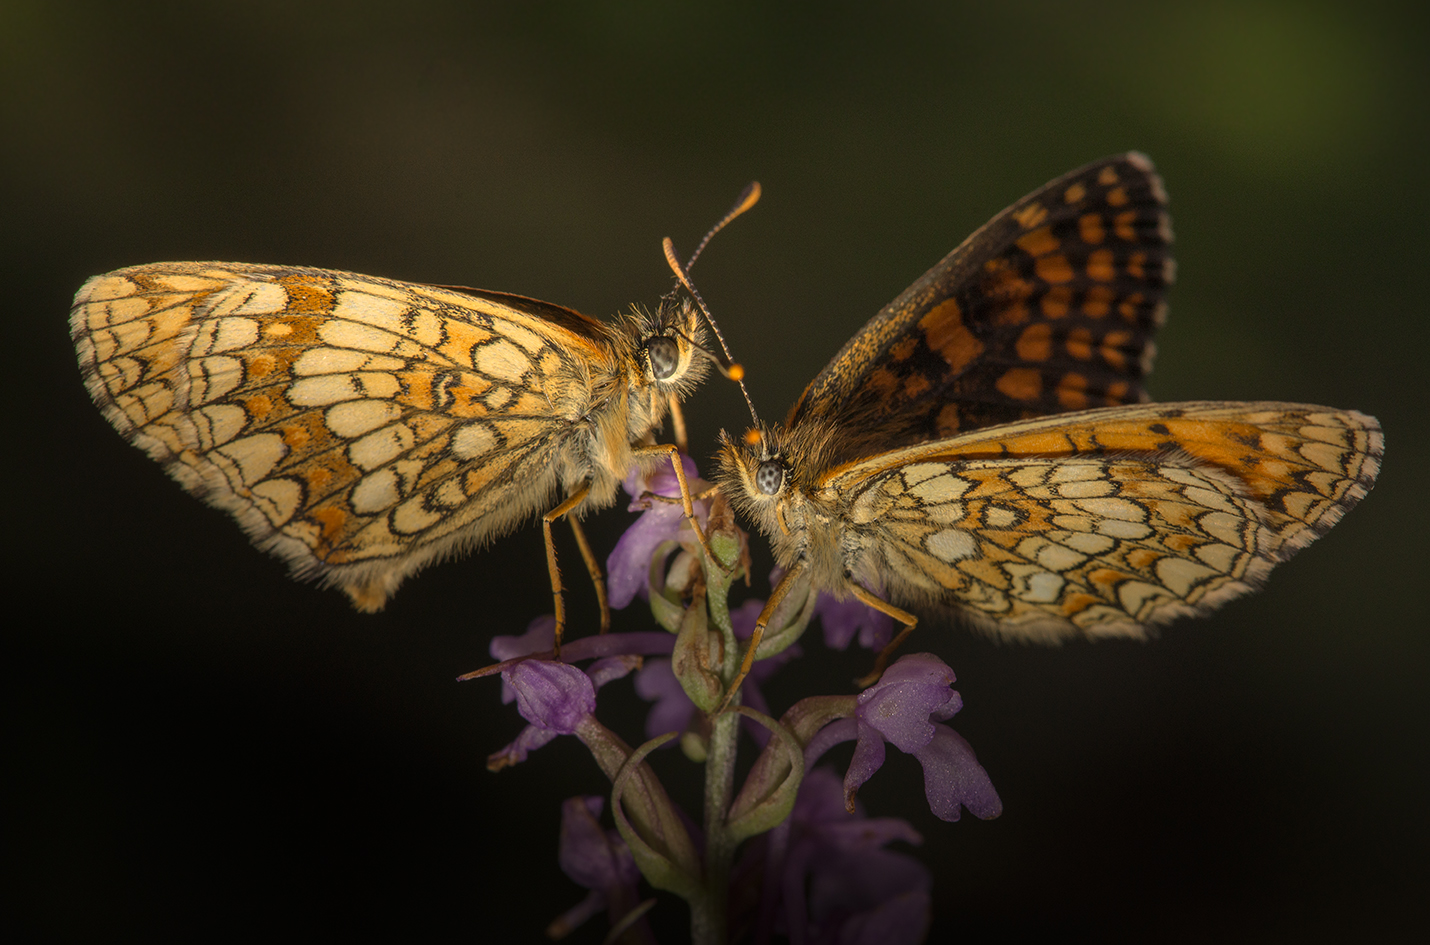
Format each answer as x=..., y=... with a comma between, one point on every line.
x=777, y=595
x=594, y=567
x=903, y=616
x=575, y=499
x=685, y=501
x=677, y=426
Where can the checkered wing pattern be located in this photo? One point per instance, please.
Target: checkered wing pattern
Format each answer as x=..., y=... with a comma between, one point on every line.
x=1104, y=522
x=359, y=427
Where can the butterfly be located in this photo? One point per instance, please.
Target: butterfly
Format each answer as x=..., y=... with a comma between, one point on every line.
x=361, y=428
x=983, y=448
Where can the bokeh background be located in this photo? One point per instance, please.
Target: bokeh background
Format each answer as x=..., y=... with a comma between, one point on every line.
x=199, y=747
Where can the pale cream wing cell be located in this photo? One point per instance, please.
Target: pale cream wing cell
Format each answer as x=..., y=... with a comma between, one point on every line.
x=359, y=427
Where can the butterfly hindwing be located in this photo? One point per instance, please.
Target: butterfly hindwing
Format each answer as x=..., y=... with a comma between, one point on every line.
x=1105, y=522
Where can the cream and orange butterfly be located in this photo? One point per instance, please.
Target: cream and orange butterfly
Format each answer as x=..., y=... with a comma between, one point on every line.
x=361, y=428
x=945, y=459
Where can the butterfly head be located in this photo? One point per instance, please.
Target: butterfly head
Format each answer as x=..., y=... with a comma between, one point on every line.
x=666, y=349
x=757, y=476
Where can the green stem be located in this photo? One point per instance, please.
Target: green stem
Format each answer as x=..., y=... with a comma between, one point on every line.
x=709, y=920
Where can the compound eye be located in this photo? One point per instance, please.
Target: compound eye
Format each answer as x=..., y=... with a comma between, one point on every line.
x=664, y=357
x=770, y=477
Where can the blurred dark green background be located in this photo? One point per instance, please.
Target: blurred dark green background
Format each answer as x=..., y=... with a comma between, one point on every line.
x=200, y=748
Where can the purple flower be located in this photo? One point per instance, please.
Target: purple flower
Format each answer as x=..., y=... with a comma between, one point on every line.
x=899, y=709
x=552, y=696
x=837, y=883
x=540, y=637
x=555, y=698
x=596, y=859
x=628, y=566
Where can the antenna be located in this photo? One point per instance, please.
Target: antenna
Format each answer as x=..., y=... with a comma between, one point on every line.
x=747, y=199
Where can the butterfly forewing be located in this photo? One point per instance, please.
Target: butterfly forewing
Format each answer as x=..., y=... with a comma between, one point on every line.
x=1104, y=522
x=357, y=427
x=1051, y=306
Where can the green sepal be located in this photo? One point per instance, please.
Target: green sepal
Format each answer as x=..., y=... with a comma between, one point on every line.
x=767, y=796
x=669, y=861
x=664, y=607
x=691, y=658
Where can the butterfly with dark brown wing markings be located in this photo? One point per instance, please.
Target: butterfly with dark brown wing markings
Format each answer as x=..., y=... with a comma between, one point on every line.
x=361, y=428
x=947, y=458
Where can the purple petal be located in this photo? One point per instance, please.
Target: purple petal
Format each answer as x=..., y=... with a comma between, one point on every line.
x=867, y=833
x=858, y=892
x=868, y=758
x=646, y=643
x=656, y=683
x=582, y=848
x=651, y=643
x=530, y=739
x=900, y=703
x=820, y=799
x=586, y=851
x=864, y=879
x=540, y=636
x=919, y=668
x=835, y=733
x=611, y=668
x=658, y=480
x=953, y=776
x=819, y=811
x=550, y=695
x=628, y=567
x=842, y=619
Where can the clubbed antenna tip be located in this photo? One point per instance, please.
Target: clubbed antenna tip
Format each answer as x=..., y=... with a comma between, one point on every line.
x=727, y=364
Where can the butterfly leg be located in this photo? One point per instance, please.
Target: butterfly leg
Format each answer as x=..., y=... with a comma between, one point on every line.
x=594, y=568
x=903, y=616
x=574, y=500
x=677, y=426
x=687, y=504
x=776, y=596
